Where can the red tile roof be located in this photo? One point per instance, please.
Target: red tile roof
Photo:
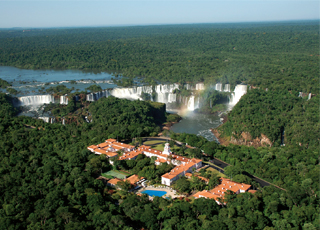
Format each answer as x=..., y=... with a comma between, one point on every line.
x=111, y=154
x=161, y=160
x=203, y=178
x=111, y=140
x=92, y=147
x=118, y=146
x=130, y=155
x=207, y=195
x=103, y=145
x=226, y=184
x=134, y=179
x=188, y=175
x=101, y=151
x=114, y=181
x=178, y=170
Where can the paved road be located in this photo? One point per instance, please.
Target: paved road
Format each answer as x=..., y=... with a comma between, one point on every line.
x=160, y=138
x=261, y=182
x=218, y=164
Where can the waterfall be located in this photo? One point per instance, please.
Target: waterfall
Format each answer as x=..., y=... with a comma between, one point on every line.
x=199, y=86
x=193, y=103
x=172, y=97
x=144, y=89
x=239, y=91
x=45, y=119
x=64, y=100
x=187, y=86
x=36, y=100
x=190, y=104
x=164, y=93
x=219, y=87
x=48, y=119
x=97, y=95
x=197, y=103
x=129, y=93
x=227, y=88
x=63, y=121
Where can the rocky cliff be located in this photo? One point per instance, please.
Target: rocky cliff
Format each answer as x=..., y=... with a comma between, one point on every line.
x=245, y=139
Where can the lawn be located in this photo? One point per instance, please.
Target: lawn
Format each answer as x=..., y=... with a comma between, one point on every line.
x=115, y=173
x=158, y=147
x=217, y=172
x=150, y=143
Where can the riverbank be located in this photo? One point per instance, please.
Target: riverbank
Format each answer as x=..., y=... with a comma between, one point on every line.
x=245, y=139
x=221, y=140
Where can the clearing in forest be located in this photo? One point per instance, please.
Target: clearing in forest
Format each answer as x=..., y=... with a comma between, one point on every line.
x=115, y=173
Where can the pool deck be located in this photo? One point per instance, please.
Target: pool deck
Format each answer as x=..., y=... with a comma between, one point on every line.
x=170, y=193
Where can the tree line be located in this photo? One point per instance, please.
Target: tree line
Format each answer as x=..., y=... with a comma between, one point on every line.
x=282, y=116
x=48, y=181
x=274, y=56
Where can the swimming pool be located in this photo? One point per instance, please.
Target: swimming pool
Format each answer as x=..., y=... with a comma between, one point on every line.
x=154, y=192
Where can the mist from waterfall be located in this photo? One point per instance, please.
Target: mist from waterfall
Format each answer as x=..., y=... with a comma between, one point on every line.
x=163, y=93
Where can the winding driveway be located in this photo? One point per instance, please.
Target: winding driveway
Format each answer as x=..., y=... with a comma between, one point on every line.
x=216, y=163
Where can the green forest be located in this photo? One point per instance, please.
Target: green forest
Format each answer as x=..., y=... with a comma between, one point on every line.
x=49, y=178
x=275, y=113
x=281, y=55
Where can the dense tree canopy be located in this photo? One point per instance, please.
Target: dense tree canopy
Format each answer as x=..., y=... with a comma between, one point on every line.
x=276, y=114
x=126, y=119
x=48, y=175
x=4, y=84
x=269, y=55
x=47, y=182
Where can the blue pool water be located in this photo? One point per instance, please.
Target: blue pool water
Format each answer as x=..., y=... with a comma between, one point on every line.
x=154, y=192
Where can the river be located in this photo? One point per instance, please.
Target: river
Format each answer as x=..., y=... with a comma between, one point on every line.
x=195, y=123
x=29, y=82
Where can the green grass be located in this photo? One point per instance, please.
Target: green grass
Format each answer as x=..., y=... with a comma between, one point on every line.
x=158, y=147
x=106, y=175
x=115, y=173
x=153, y=142
x=217, y=172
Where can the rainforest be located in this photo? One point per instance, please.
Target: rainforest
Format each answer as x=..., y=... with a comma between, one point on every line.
x=50, y=180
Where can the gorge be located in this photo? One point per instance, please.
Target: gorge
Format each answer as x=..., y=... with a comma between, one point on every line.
x=163, y=93
x=181, y=99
